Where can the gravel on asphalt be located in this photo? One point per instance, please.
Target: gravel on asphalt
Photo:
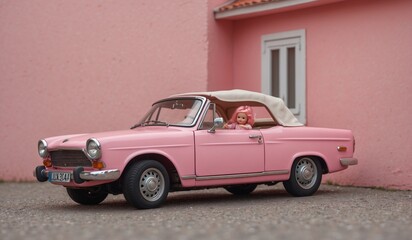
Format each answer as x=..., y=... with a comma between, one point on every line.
x=42, y=211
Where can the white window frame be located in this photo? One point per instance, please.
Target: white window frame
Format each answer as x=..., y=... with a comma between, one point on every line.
x=282, y=41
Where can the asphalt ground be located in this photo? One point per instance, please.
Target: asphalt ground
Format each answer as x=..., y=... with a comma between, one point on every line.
x=44, y=211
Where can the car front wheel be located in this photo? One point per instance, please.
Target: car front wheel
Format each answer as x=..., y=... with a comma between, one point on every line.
x=146, y=184
x=87, y=196
x=305, y=177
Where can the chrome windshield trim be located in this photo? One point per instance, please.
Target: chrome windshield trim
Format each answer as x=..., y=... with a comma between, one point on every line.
x=203, y=101
x=231, y=176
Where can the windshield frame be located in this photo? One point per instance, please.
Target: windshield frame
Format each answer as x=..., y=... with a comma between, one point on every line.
x=154, y=108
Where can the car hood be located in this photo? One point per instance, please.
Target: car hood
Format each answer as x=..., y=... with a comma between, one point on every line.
x=78, y=141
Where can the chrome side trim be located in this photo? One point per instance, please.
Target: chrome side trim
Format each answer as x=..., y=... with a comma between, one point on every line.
x=348, y=161
x=231, y=176
x=111, y=174
x=189, y=177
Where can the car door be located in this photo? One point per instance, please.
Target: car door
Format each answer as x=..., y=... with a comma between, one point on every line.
x=228, y=151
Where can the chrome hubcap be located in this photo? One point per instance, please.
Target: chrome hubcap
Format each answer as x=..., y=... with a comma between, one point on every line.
x=306, y=173
x=151, y=184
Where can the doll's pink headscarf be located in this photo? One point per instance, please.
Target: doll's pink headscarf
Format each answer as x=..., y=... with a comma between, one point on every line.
x=243, y=109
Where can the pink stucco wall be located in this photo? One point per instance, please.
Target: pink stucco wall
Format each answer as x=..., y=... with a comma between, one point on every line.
x=220, y=50
x=358, y=77
x=85, y=66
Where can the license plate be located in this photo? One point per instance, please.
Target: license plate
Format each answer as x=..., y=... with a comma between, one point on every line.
x=59, y=177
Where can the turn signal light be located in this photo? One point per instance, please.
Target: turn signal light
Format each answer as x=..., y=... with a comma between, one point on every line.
x=342, y=149
x=98, y=165
x=47, y=162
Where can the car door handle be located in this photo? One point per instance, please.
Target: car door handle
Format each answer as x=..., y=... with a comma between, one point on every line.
x=254, y=136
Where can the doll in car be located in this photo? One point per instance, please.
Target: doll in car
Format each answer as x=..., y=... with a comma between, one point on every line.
x=242, y=118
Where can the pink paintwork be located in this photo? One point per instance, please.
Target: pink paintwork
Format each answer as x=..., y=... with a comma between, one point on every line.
x=179, y=133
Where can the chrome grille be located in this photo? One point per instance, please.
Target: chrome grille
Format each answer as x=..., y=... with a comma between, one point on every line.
x=69, y=158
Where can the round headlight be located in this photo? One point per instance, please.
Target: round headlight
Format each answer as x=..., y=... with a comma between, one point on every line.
x=93, y=149
x=42, y=148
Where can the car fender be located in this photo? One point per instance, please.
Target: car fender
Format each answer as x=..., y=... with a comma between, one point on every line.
x=181, y=170
x=319, y=155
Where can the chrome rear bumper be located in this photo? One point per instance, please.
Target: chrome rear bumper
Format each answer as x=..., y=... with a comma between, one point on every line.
x=348, y=161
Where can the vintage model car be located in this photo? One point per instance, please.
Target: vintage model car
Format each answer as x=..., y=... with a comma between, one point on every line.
x=181, y=144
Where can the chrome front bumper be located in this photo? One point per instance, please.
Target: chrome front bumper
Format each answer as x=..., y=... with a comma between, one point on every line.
x=79, y=175
x=348, y=161
x=111, y=174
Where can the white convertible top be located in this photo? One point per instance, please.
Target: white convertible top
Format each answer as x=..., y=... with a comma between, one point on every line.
x=275, y=105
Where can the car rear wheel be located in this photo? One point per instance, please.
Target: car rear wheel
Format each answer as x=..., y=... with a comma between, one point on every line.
x=146, y=184
x=305, y=177
x=241, y=189
x=92, y=196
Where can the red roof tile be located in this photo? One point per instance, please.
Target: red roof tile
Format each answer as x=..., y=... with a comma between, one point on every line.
x=244, y=3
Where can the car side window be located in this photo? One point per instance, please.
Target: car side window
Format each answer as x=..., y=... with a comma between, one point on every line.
x=208, y=120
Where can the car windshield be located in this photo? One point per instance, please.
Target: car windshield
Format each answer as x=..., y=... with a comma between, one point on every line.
x=176, y=112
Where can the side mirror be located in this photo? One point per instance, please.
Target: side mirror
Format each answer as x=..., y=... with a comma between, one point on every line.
x=217, y=122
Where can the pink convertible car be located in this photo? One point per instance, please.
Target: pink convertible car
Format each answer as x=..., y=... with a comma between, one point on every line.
x=183, y=143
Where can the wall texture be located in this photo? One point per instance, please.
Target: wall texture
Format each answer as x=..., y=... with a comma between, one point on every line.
x=85, y=66
x=358, y=77
x=220, y=50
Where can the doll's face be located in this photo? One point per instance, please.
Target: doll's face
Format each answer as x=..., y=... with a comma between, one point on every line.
x=241, y=118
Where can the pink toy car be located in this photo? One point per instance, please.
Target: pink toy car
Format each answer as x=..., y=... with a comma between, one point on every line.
x=182, y=144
